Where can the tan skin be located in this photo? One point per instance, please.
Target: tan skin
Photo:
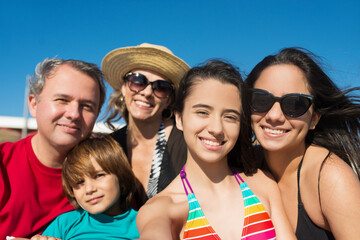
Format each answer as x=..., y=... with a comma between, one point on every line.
x=143, y=125
x=339, y=211
x=173, y=202
x=207, y=120
x=63, y=102
x=141, y=149
x=64, y=114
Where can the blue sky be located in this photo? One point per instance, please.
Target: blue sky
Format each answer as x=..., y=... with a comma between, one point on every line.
x=241, y=31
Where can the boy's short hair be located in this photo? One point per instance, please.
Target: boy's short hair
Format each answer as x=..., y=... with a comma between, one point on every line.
x=111, y=158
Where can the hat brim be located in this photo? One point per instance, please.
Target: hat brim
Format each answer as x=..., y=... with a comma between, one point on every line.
x=120, y=61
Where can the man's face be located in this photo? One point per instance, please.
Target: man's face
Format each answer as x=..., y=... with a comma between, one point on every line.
x=66, y=109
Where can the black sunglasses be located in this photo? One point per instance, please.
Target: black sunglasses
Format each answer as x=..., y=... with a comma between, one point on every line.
x=138, y=82
x=292, y=104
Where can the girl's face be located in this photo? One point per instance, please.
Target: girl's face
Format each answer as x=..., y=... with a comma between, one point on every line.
x=144, y=104
x=99, y=193
x=210, y=120
x=273, y=129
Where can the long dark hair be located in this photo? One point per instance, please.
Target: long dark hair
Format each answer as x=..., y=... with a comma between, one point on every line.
x=241, y=157
x=339, y=126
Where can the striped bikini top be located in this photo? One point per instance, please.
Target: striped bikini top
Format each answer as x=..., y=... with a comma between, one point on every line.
x=257, y=223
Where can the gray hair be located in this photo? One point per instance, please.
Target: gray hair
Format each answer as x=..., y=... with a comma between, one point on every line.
x=48, y=66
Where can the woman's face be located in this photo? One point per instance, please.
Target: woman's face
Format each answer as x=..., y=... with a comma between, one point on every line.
x=210, y=119
x=145, y=105
x=273, y=129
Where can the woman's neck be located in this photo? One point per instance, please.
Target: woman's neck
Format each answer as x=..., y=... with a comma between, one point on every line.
x=206, y=173
x=283, y=163
x=143, y=130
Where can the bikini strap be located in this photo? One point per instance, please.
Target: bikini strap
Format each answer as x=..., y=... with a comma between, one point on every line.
x=298, y=176
x=184, y=179
x=237, y=176
x=321, y=166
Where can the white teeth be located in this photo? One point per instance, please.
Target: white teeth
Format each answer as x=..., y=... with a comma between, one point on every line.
x=143, y=104
x=212, y=143
x=274, y=131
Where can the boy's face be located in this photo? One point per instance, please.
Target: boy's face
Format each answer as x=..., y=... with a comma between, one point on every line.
x=66, y=109
x=99, y=193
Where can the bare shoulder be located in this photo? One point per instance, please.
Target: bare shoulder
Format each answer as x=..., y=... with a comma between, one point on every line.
x=324, y=168
x=326, y=174
x=156, y=208
x=165, y=200
x=162, y=216
x=339, y=189
x=333, y=170
x=337, y=178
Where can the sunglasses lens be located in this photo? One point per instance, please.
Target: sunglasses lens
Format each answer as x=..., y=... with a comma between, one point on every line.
x=295, y=105
x=261, y=101
x=292, y=105
x=137, y=82
x=162, y=89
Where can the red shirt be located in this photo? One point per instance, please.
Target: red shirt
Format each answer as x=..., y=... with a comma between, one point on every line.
x=30, y=192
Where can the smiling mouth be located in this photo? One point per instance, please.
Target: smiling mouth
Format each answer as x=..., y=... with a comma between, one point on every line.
x=69, y=127
x=94, y=200
x=212, y=143
x=274, y=131
x=144, y=104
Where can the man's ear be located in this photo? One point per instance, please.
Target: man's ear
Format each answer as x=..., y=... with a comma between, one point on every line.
x=178, y=120
x=314, y=120
x=32, y=101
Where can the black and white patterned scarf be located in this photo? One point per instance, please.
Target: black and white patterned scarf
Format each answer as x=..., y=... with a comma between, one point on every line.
x=160, y=147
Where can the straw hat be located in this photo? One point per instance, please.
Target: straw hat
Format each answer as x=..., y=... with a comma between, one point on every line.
x=146, y=56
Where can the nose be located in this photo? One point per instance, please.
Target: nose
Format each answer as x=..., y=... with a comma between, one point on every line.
x=73, y=111
x=215, y=126
x=147, y=91
x=90, y=186
x=275, y=113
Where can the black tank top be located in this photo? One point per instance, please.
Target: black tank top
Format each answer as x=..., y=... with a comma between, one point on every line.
x=306, y=229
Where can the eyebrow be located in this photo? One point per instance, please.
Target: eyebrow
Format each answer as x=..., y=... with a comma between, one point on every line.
x=81, y=100
x=200, y=105
x=227, y=110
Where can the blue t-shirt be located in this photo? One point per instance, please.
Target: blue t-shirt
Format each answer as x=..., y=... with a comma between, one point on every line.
x=80, y=224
